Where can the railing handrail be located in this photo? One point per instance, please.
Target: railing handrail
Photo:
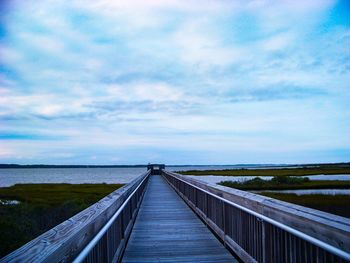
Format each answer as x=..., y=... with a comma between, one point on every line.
x=64, y=242
x=256, y=202
x=315, y=241
x=83, y=254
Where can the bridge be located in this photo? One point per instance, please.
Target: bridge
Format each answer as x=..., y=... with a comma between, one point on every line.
x=162, y=216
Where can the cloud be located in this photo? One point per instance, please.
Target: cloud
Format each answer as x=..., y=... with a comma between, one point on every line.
x=155, y=92
x=116, y=102
x=278, y=42
x=118, y=77
x=278, y=92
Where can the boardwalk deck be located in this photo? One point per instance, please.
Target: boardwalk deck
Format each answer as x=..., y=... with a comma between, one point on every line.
x=167, y=230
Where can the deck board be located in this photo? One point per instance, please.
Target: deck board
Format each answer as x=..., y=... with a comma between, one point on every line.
x=167, y=230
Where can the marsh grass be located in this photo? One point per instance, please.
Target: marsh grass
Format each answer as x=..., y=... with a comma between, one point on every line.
x=335, y=204
x=285, y=183
x=271, y=172
x=41, y=207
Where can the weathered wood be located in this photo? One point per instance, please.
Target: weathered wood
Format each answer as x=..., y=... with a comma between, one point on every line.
x=64, y=242
x=242, y=254
x=166, y=230
x=332, y=229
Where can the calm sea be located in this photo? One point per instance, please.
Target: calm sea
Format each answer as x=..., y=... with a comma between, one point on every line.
x=10, y=177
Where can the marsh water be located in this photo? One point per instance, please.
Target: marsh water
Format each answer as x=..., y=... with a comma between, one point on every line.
x=10, y=177
x=214, y=179
x=310, y=191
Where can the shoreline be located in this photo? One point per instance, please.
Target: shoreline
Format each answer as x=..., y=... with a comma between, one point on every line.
x=304, y=171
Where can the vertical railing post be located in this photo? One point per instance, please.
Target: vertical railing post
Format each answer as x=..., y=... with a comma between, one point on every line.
x=263, y=241
x=206, y=205
x=122, y=224
x=259, y=237
x=224, y=222
x=195, y=197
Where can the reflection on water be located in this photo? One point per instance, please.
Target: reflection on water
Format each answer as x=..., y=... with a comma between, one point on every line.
x=9, y=202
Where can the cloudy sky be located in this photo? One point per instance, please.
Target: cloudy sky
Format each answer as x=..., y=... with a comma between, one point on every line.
x=200, y=82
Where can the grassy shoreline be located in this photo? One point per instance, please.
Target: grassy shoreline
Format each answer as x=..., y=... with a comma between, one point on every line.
x=267, y=185
x=337, y=204
x=270, y=172
x=41, y=207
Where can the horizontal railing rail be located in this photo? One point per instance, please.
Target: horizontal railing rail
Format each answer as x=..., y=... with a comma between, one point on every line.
x=252, y=236
x=110, y=241
x=66, y=241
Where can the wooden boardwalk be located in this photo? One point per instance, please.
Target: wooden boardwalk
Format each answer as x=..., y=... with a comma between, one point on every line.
x=167, y=230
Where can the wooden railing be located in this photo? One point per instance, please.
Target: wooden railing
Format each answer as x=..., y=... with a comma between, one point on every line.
x=256, y=228
x=97, y=234
x=260, y=229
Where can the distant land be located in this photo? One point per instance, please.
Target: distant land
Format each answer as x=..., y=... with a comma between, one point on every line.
x=21, y=166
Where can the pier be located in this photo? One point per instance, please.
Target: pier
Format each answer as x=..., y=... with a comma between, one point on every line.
x=162, y=216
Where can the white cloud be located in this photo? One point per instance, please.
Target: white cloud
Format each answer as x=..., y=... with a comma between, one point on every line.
x=156, y=92
x=50, y=44
x=199, y=46
x=49, y=110
x=278, y=42
x=10, y=54
x=4, y=91
x=157, y=5
x=126, y=74
x=50, y=105
x=7, y=153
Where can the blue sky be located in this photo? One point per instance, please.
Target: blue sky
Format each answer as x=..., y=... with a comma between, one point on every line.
x=201, y=82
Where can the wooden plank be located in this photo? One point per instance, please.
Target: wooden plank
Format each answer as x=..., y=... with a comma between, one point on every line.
x=64, y=242
x=332, y=229
x=167, y=230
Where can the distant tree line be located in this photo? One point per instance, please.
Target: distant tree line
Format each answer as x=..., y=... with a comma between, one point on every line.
x=3, y=166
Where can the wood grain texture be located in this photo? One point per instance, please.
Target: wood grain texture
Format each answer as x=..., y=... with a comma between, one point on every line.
x=167, y=230
x=64, y=242
x=332, y=229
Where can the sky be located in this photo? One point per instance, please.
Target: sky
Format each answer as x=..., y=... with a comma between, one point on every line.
x=175, y=82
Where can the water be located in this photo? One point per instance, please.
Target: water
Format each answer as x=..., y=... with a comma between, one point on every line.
x=213, y=179
x=9, y=202
x=334, y=177
x=311, y=191
x=10, y=177
x=341, y=177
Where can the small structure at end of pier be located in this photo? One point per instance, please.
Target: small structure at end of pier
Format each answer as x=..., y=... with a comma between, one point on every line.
x=156, y=169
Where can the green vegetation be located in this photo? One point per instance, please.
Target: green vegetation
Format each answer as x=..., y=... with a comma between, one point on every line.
x=335, y=204
x=273, y=172
x=285, y=183
x=43, y=206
